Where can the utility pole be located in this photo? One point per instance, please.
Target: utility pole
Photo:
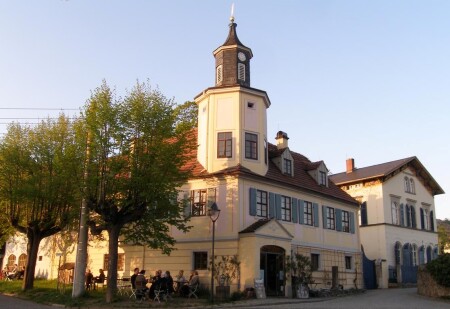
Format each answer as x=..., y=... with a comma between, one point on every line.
x=81, y=259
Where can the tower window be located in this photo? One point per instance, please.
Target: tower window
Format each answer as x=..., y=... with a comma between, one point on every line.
x=224, y=145
x=219, y=75
x=241, y=71
x=251, y=146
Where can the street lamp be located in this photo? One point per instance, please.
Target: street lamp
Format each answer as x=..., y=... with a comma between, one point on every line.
x=213, y=213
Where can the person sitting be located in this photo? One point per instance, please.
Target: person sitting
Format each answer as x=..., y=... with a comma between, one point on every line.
x=100, y=278
x=180, y=280
x=13, y=272
x=168, y=281
x=141, y=285
x=156, y=282
x=133, y=278
x=194, y=281
x=21, y=273
x=89, y=279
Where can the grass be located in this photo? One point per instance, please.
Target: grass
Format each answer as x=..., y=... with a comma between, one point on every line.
x=46, y=292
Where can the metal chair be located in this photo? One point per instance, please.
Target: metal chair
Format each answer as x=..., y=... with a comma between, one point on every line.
x=193, y=291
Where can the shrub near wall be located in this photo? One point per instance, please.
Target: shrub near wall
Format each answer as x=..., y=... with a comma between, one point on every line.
x=433, y=280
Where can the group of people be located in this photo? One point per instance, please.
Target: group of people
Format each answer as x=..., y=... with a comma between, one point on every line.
x=92, y=281
x=13, y=273
x=163, y=281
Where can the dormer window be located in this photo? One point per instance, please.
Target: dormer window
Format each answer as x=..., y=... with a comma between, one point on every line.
x=322, y=178
x=287, y=166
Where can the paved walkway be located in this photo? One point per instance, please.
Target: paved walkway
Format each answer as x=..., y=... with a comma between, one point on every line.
x=379, y=299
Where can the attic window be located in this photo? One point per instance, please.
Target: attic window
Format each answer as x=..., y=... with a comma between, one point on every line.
x=322, y=178
x=287, y=166
x=250, y=105
x=241, y=71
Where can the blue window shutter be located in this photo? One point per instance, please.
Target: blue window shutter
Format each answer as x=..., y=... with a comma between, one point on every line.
x=294, y=210
x=278, y=206
x=338, y=219
x=402, y=215
x=271, y=205
x=324, y=216
x=302, y=212
x=364, y=213
x=352, y=222
x=316, y=214
x=252, y=202
x=422, y=223
x=408, y=216
x=431, y=221
x=413, y=217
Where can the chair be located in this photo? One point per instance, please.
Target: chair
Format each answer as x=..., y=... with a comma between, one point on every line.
x=193, y=291
x=133, y=293
x=140, y=295
x=160, y=292
x=98, y=284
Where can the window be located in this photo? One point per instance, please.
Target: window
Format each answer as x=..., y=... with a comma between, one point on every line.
x=198, y=202
x=200, y=260
x=308, y=213
x=251, y=146
x=224, y=142
x=330, y=218
x=288, y=166
x=40, y=258
x=22, y=260
x=413, y=187
x=322, y=178
x=219, y=76
x=364, y=213
x=286, y=208
x=397, y=253
x=407, y=185
x=11, y=260
x=120, y=261
x=425, y=219
x=241, y=71
x=314, y=261
x=345, y=221
x=261, y=203
x=348, y=262
x=394, y=210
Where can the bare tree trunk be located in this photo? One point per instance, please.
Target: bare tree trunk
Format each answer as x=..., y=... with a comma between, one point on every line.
x=32, y=251
x=113, y=233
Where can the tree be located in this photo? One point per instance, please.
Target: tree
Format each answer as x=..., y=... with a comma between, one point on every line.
x=39, y=182
x=138, y=147
x=443, y=237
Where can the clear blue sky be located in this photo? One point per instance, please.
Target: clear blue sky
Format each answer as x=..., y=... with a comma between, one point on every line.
x=362, y=79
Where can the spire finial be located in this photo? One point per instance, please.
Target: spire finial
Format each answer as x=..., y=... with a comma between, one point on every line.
x=232, y=13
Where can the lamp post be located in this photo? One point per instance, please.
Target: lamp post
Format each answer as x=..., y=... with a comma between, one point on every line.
x=213, y=213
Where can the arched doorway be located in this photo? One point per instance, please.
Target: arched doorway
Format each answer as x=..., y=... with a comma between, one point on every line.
x=272, y=269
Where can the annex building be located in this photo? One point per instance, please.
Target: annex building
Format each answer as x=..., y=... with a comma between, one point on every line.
x=398, y=222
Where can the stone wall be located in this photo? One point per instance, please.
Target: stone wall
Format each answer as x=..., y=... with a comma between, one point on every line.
x=427, y=286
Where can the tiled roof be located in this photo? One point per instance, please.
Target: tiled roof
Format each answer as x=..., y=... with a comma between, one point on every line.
x=255, y=226
x=383, y=170
x=302, y=180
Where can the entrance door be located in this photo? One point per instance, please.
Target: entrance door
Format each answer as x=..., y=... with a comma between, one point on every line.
x=272, y=267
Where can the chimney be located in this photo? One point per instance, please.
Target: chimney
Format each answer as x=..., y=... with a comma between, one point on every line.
x=282, y=140
x=350, y=165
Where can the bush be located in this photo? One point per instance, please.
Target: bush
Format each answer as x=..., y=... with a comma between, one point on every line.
x=439, y=269
x=236, y=296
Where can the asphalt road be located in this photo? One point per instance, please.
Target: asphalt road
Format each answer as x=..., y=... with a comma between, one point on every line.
x=9, y=302
x=383, y=298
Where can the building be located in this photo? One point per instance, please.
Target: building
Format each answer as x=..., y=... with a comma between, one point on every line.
x=274, y=202
x=397, y=218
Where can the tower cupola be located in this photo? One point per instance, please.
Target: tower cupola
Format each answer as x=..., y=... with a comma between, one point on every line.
x=232, y=60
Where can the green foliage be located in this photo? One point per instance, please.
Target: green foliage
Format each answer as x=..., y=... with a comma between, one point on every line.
x=439, y=269
x=226, y=268
x=299, y=267
x=443, y=236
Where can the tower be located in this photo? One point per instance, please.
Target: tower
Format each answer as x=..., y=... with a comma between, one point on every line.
x=232, y=119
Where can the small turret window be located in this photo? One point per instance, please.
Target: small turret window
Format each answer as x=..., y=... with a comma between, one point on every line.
x=241, y=71
x=219, y=75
